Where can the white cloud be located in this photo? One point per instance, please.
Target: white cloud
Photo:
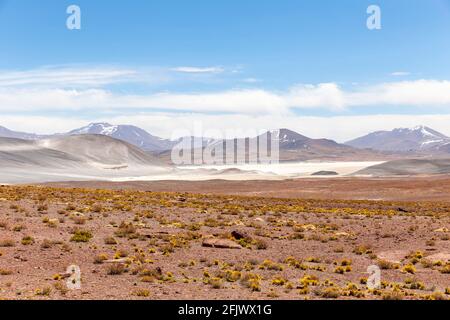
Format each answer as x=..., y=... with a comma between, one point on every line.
x=47, y=89
x=83, y=88
x=66, y=76
x=237, y=101
x=426, y=93
x=419, y=93
x=251, y=80
x=40, y=124
x=325, y=95
x=400, y=73
x=198, y=69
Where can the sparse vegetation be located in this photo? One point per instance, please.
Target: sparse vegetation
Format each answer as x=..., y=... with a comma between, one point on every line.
x=291, y=248
x=409, y=268
x=116, y=269
x=81, y=236
x=28, y=240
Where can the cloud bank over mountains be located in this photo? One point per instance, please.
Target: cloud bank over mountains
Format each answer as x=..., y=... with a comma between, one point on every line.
x=33, y=99
x=73, y=88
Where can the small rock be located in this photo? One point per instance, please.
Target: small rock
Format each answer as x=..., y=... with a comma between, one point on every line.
x=220, y=243
x=342, y=234
x=309, y=227
x=325, y=173
x=122, y=260
x=238, y=235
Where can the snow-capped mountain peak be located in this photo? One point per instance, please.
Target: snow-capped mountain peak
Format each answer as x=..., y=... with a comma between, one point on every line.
x=418, y=138
x=127, y=133
x=97, y=128
x=420, y=130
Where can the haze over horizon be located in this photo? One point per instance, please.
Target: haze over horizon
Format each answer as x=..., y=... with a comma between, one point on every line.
x=226, y=66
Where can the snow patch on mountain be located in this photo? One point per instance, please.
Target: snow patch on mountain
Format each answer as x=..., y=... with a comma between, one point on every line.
x=131, y=134
x=419, y=138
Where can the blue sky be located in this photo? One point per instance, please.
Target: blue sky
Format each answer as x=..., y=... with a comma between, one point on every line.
x=234, y=62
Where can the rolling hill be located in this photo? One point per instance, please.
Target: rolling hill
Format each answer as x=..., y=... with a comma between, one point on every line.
x=100, y=150
x=408, y=167
x=82, y=157
x=18, y=153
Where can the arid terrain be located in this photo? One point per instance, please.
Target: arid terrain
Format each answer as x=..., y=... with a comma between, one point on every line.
x=170, y=240
x=416, y=188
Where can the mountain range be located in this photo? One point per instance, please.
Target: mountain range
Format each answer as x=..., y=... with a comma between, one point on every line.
x=103, y=151
x=418, y=139
x=293, y=146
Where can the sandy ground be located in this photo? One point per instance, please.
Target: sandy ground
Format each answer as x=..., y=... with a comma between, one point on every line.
x=133, y=244
x=296, y=169
x=425, y=188
x=281, y=171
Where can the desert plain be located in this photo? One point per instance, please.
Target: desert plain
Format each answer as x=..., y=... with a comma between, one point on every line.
x=294, y=239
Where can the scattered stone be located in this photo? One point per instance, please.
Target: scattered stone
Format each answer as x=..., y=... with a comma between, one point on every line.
x=238, y=235
x=122, y=260
x=342, y=234
x=393, y=256
x=76, y=215
x=220, y=243
x=325, y=173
